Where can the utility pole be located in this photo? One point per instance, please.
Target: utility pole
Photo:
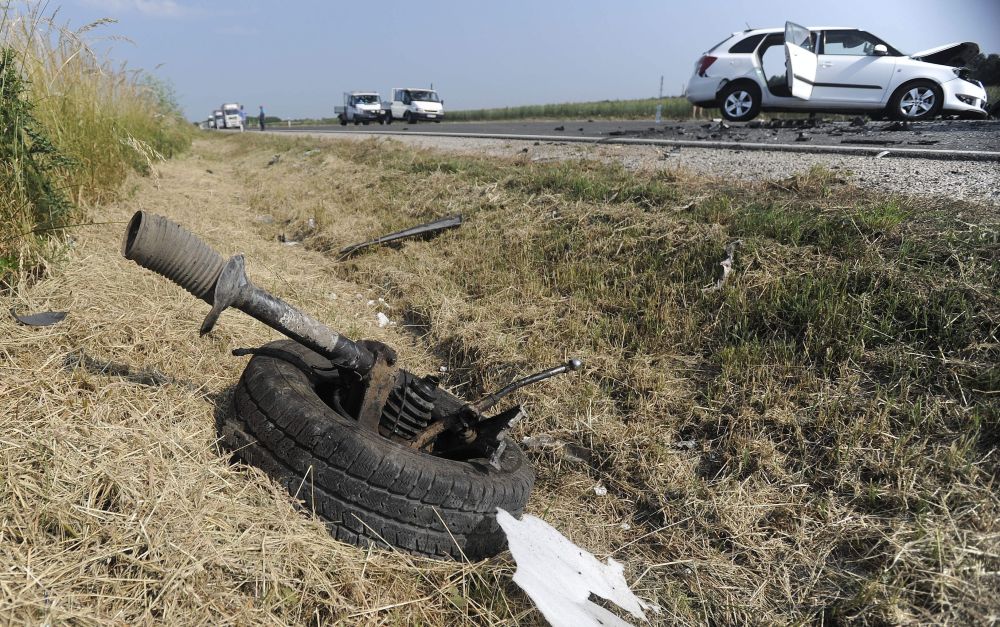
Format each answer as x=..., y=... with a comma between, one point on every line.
x=661, y=86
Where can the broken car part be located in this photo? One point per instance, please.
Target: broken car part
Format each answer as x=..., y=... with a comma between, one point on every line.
x=342, y=409
x=429, y=228
x=41, y=319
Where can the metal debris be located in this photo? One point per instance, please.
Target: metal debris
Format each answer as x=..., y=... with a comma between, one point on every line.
x=41, y=319
x=148, y=377
x=727, y=267
x=429, y=228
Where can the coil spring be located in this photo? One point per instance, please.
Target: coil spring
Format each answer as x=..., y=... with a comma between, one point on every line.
x=408, y=409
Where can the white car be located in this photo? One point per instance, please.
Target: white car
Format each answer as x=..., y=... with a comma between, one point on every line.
x=833, y=70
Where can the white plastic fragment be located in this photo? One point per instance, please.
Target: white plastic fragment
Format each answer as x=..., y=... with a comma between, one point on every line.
x=727, y=266
x=882, y=154
x=382, y=320
x=560, y=576
x=600, y=490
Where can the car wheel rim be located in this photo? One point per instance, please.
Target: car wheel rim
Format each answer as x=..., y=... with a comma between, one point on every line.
x=917, y=102
x=738, y=103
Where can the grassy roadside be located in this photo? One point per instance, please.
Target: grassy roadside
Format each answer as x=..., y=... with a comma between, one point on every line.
x=73, y=127
x=816, y=440
x=637, y=109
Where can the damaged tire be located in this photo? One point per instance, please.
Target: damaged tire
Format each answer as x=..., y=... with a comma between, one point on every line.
x=369, y=489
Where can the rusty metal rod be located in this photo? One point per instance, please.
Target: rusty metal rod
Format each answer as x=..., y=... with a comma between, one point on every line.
x=158, y=244
x=490, y=400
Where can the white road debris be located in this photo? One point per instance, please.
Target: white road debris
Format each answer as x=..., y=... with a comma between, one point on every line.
x=382, y=320
x=560, y=576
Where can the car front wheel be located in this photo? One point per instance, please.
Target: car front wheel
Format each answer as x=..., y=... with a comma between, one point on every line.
x=921, y=100
x=739, y=102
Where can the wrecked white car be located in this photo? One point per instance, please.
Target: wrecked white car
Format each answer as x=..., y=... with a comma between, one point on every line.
x=833, y=70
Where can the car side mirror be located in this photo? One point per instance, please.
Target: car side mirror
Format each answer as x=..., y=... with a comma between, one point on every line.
x=880, y=50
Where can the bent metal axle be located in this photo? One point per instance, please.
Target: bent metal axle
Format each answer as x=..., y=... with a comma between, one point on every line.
x=382, y=399
x=163, y=246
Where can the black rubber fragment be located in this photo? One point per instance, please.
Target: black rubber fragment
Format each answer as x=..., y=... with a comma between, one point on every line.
x=41, y=319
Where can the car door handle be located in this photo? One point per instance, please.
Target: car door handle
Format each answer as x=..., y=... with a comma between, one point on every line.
x=826, y=65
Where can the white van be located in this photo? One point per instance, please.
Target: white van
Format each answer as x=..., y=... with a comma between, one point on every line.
x=361, y=107
x=231, y=116
x=415, y=103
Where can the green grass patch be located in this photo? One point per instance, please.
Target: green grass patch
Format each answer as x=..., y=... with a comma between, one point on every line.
x=637, y=109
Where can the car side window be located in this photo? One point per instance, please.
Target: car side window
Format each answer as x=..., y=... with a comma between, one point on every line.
x=747, y=45
x=849, y=42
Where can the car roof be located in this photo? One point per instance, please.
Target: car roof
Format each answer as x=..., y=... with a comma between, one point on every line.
x=757, y=31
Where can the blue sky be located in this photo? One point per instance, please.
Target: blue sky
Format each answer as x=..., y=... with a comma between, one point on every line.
x=297, y=57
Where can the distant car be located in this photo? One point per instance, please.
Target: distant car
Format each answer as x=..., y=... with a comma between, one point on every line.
x=833, y=70
x=414, y=103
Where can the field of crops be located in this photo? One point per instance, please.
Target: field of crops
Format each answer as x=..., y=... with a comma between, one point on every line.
x=644, y=108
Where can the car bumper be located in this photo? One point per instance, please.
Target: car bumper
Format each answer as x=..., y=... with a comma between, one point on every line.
x=368, y=116
x=964, y=98
x=425, y=115
x=701, y=90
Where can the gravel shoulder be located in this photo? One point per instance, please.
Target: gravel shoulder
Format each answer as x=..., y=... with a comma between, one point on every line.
x=966, y=180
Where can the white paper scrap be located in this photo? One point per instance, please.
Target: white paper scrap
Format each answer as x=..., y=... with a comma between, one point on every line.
x=560, y=576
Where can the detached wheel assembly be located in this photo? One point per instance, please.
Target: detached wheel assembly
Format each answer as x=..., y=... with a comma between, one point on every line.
x=387, y=458
x=370, y=489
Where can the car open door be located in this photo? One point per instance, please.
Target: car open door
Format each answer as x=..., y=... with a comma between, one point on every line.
x=800, y=60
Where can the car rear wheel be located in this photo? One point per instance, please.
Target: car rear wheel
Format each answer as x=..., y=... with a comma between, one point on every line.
x=740, y=102
x=921, y=100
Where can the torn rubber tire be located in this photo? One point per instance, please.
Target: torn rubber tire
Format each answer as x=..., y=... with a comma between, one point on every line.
x=369, y=490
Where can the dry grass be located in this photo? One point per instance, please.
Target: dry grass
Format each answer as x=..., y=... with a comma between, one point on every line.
x=814, y=442
x=115, y=506
x=73, y=126
x=839, y=392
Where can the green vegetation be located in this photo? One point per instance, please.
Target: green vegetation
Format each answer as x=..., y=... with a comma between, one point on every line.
x=72, y=127
x=814, y=441
x=643, y=108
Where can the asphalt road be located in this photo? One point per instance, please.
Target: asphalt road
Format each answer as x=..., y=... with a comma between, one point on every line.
x=964, y=135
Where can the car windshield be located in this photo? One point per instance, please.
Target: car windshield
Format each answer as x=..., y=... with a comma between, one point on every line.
x=366, y=99
x=232, y=111
x=423, y=95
